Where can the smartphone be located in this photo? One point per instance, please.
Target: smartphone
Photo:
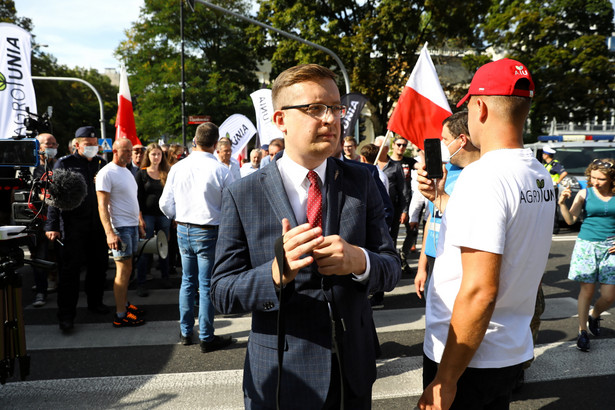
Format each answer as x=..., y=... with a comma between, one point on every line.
x=433, y=158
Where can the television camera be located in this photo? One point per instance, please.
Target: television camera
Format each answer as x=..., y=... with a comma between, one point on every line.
x=63, y=189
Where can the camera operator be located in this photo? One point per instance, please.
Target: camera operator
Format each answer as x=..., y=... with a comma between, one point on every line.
x=83, y=235
x=48, y=148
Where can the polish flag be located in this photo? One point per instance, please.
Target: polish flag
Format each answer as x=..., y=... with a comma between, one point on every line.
x=422, y=105
x=125, y=120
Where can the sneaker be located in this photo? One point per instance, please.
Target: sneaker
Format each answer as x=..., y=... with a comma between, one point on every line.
x=594, y=325
x=127, y=321
x=185, y=340
x=39, y=300
x=135, y=310
x=217, y=343
x=583, y=341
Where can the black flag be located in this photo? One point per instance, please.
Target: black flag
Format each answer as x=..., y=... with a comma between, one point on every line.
x=355, y=103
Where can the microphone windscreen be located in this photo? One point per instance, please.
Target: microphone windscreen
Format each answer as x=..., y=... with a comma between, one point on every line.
x=67, y=190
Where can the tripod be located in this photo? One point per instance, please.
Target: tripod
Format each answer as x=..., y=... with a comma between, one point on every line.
x=12, y=332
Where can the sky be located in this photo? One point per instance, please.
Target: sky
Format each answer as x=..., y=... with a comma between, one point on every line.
x=81, y=33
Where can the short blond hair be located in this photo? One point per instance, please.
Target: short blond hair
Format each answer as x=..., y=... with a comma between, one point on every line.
x=297, y=74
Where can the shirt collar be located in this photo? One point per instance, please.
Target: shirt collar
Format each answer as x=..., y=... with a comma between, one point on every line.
x=298, y=173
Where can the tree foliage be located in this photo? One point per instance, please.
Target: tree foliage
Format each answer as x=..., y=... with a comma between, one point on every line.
x=563, y=43
x=377, y=41
x=219, y=66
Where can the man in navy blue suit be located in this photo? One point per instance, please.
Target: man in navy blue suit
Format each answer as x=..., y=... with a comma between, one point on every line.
x=328, y=335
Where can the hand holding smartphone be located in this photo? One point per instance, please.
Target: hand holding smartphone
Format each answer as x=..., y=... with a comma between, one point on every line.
x=433, y=158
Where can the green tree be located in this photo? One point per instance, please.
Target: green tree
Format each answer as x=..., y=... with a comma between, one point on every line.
x=563, y=43
x=219, y=67
x=74, y=104
x=376, y=40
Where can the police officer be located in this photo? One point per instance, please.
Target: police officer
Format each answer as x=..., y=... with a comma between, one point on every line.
x=558, y=172
x=555, y=168
x=82, y=235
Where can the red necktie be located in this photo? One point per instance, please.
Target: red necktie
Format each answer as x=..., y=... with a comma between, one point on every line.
x=314, y=202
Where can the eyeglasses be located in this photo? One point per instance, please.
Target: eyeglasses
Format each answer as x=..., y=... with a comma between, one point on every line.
x=320, y=110
x=600, y=163
x=401, y=145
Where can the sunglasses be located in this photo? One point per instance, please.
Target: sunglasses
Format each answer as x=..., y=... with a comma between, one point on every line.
x=401, y=145
x=600, y=163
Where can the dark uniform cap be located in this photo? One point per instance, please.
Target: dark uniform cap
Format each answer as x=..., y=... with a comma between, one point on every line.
x=86, y=132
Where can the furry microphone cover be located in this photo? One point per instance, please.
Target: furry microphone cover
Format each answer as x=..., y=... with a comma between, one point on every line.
x=67, y=190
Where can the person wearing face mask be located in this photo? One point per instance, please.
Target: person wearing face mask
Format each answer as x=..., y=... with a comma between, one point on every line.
x=456, y=137
x=82, y=237
x=48, y=148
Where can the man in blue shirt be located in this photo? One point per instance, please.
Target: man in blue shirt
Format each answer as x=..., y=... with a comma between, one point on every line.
x=456, y=136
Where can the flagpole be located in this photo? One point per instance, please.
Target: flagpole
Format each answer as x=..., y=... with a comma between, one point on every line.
x=183, y=102
x=386, y=138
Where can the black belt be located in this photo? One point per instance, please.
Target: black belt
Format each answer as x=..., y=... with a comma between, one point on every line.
x=187, y=225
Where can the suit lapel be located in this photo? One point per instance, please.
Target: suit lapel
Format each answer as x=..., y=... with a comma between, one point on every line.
x=273, y=187
x=334, y=197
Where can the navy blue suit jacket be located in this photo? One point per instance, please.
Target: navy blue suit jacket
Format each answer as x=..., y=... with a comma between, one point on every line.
x=252, y=211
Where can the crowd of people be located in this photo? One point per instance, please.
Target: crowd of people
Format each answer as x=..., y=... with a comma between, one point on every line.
x=303, y=236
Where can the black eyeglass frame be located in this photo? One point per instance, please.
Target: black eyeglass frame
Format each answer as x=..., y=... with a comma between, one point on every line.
x=343, y=109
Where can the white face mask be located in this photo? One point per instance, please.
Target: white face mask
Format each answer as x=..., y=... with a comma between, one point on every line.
x=90, y=151
x=51, y=153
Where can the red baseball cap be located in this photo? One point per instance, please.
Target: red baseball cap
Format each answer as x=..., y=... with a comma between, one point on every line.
x=499, y=78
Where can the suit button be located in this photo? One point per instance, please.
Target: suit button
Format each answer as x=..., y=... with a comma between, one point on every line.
x=268, y=305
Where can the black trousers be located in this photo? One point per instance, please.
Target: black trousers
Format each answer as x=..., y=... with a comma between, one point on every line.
x=351, y=400
x=82, y=247
x=479, y=388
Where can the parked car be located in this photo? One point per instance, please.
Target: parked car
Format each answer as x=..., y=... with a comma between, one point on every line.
x=575, y=152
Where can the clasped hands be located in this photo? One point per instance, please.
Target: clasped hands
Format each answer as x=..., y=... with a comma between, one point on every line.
x=333, y=255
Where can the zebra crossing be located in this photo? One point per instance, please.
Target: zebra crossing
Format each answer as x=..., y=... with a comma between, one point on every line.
x=98, y=366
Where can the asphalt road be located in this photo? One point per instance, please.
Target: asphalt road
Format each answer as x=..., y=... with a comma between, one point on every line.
x=98, y=366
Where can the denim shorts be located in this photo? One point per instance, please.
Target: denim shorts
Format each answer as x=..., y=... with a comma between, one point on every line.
x=129, y=235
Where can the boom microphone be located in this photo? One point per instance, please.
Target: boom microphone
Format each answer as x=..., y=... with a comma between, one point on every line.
x=66, y=189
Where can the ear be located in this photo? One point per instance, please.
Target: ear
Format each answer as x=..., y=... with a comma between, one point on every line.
x=483, y=110
x=464, y=139
x=279, y=120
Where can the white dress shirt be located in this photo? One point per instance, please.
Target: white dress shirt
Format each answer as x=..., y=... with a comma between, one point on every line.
x=193, y=191
x=296, y=184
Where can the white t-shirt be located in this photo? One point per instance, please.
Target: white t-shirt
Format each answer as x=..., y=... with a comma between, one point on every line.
x=504, y=204
x=123, y=202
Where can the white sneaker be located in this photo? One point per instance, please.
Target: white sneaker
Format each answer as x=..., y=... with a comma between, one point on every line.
x=39, y=300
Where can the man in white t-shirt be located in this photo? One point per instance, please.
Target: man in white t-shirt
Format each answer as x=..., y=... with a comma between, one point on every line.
x=492, y=251
x=118, y=206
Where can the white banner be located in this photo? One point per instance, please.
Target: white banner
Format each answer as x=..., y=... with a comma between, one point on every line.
x=263, y=107
x=239, y=129
x=16, y=89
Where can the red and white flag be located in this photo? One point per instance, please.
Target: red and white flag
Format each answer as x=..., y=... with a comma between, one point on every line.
x=125, y=120
x=422, y=105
